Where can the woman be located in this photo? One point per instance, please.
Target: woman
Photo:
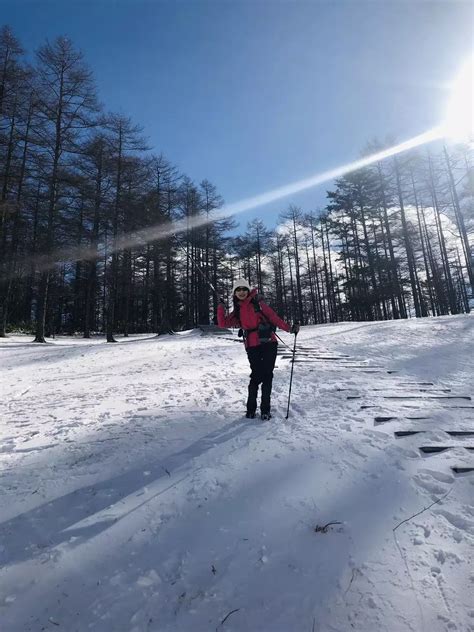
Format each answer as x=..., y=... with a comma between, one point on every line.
x=258, y=323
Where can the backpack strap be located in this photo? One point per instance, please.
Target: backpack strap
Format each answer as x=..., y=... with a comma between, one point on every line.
x=265, y=327
x=256, y=305
x=258, y=309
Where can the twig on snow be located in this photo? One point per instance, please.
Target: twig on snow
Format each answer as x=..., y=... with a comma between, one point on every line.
x=350, y=583
x=407, y=568
x=425, y=509
x=319, y=529
x=226, y=617
x=420, y=609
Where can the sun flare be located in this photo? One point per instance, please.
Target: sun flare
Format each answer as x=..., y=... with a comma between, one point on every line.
x=459, y=121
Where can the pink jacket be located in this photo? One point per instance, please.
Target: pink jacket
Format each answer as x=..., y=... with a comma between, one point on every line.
x=250, y=319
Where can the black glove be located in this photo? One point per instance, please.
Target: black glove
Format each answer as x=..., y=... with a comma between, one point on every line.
x=294, y=328
x=221, y=300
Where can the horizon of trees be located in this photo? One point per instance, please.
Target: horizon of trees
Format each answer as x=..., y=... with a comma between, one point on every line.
x=87, y=209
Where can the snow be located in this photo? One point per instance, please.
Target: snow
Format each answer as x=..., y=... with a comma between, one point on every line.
x=135, y=497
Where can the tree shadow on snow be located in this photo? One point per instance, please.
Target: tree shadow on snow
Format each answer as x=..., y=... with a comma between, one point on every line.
x=27, y=535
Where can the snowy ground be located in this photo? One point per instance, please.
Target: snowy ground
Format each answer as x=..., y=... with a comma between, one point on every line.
x=134, y=497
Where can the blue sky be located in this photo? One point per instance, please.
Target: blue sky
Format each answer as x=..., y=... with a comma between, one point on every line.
x=255, y=95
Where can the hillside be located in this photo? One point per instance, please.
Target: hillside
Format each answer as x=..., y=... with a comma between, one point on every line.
x=135, y=497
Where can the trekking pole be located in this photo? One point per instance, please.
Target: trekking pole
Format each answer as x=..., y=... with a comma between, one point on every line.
x=282, y=341
x=291, y=377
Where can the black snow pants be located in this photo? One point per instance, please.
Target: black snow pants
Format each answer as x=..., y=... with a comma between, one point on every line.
x=262, y=362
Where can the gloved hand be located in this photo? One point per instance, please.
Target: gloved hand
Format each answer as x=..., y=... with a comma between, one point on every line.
x=294, y=328
x=221, y=300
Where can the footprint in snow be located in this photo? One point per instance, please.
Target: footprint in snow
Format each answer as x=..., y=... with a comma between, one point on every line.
x=429, y=485
x=438, y=476
x=301, y=411
x=9, y=445
x=458, y=521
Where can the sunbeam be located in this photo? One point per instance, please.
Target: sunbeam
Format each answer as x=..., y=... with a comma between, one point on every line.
x=165, y=230
x=459, y=120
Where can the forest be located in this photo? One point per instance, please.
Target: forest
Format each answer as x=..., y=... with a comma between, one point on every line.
x=87, y=210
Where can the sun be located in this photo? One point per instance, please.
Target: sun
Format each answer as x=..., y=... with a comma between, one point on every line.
x=459, y=121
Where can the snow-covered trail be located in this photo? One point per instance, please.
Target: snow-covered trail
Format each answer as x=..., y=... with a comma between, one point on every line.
x=135, y=497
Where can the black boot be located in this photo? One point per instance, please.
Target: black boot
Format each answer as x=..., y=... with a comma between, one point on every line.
x=265, y=404
x=252, y=399
x=265, y=416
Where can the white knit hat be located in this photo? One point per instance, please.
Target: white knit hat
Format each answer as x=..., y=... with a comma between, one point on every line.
x=240, y=283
